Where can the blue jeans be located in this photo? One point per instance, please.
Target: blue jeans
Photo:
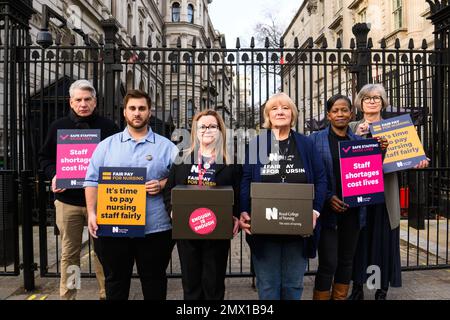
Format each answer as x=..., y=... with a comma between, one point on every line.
x=279, y=267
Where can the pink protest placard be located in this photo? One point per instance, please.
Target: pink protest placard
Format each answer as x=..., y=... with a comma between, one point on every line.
x=361, y=172
x=73, y=153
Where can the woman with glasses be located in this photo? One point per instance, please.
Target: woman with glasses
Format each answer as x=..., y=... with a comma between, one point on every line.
x=379, y=241
x=280, y=260
x=205, y=163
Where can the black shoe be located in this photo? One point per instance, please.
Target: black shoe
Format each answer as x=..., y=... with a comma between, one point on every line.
x=380, y=294
x=357, y=292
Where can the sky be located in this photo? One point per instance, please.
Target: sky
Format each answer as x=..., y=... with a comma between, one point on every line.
x=237, y=18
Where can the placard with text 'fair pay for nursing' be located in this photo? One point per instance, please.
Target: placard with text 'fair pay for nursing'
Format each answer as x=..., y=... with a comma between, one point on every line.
x=121, y=202
x=74, y=150
x=405, y=149
x=361, y=172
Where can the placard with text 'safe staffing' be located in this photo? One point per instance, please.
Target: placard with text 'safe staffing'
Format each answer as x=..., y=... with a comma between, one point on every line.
x=74, y=150
x=361, y=172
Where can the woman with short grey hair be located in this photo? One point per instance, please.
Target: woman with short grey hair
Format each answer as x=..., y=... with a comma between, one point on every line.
x=379, y=240
x=365, y=93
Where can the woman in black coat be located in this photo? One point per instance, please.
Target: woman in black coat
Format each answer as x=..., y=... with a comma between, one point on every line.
x=203, y=262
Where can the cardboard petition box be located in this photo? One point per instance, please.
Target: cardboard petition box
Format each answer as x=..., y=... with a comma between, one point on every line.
x=201, y=212
x=282, y=208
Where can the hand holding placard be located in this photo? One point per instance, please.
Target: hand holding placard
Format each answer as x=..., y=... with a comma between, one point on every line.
x=405, y=150
x=73, y=152
x=361, y=172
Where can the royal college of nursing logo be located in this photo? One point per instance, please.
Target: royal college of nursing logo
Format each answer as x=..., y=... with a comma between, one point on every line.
x=119, y=230
x=361, y=199
x=275, y=157
x=271, y=214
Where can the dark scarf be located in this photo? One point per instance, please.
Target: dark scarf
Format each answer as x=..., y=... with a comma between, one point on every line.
x=83, y=122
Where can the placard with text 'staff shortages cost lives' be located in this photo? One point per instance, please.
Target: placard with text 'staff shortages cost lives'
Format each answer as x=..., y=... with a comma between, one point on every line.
x=361, y=172
x=73, y=152
x=121, y=202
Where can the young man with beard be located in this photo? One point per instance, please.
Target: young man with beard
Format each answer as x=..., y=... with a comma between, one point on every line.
x=70, y=204
x=136, y=146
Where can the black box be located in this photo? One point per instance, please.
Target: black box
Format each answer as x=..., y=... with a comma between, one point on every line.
x=201, y=212
x=282, y=208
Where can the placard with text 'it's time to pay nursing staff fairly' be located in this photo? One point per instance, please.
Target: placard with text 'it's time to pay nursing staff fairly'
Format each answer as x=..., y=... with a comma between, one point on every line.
x=361, y=172
x=74, y=150
x=405, y=150
x=121, y=202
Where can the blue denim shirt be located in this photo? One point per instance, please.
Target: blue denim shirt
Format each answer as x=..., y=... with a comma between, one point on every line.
x=121, y=150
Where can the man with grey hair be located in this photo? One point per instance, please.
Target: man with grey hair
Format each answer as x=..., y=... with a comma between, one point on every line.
x=70, y=204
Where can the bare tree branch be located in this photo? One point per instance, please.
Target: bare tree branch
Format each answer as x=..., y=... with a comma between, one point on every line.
x=270, y=29
x=273, y=31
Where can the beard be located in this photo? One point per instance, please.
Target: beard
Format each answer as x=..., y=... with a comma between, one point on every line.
x=137, y=127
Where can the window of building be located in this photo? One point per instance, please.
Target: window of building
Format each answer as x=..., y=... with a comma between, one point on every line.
x=129, y=19
x=340, y=35
x=190, y=109
x=141, y=34
x=175, y=62
x=190, y=13
x=205, y=19
x=398, y=14
x=362, y=16
x=114, y=8
x=175, y=109
x=158, y=101
x=190, y=65
x=322, y=13
x=130, y=80
x=176, y=12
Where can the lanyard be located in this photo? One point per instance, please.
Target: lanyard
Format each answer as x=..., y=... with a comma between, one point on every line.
x=202, y=169
x=284, y=154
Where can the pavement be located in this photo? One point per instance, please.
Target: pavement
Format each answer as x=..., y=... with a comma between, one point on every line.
x=417, y=285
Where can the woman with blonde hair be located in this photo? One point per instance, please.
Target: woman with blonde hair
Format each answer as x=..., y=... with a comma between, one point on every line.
x=280, y=260
x=206, y=162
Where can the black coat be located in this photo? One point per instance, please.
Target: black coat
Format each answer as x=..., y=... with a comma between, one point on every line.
x=226, y=175
x=47, y=154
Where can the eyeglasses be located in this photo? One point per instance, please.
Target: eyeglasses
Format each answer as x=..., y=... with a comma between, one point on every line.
x=212, y=127
x=375, y=99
